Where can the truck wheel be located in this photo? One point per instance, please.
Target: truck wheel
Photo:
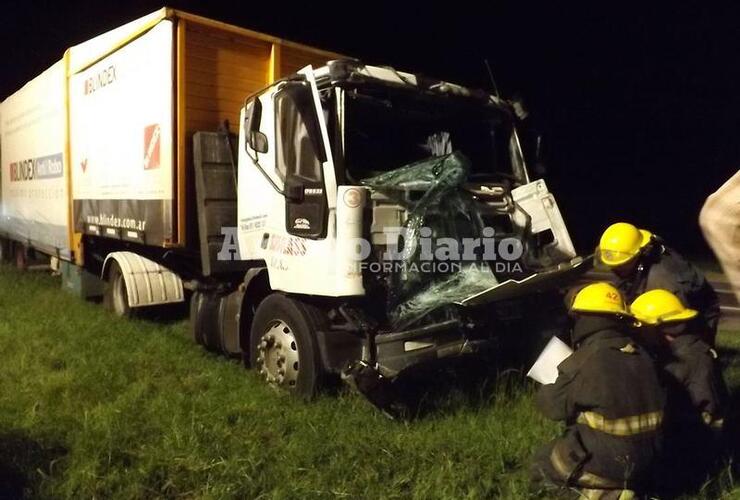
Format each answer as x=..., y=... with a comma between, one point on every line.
x=204, y=321
x=115, y=297
x=21, y=257
x=196, y=301
x=283, y=344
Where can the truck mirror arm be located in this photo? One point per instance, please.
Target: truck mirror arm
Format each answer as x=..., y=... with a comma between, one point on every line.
x=262, y=171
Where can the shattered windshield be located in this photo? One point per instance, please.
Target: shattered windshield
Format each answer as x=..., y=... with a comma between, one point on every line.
x=448, y=213
x=387, y=128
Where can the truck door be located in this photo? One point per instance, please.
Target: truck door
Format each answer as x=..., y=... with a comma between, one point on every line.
x=302, y=157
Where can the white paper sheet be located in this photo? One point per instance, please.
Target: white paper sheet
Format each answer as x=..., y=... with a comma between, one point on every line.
x=545, y=369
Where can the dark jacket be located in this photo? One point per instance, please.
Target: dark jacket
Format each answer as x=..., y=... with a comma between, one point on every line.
x=697, y=392
x=609, y=395
x=662, y=267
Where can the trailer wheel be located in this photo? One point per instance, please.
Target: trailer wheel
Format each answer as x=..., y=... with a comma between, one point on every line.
x=283, y=344
x=21, y=257
x=5, y=252
x=115, y=297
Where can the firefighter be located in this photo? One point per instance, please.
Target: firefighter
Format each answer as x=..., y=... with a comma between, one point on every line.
x=608, y=394
x=697, y=394
x=641, y=261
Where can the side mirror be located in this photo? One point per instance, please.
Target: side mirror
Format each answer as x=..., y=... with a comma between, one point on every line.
x=294, y=189
x=256, y=139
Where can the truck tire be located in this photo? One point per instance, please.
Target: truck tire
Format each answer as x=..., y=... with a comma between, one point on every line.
x=205, y=328
x=196, y=301
x=115, y=296
x=283, y=346
x=21, y=257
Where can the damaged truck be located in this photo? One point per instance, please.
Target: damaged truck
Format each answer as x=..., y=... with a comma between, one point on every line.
x=364, y=220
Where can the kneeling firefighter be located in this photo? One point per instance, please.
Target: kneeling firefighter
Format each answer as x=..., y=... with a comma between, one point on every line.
x=642, y=261
x=697, y=394
x=609, y=396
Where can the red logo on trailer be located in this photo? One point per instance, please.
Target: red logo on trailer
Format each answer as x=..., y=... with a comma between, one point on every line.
x=152, y=135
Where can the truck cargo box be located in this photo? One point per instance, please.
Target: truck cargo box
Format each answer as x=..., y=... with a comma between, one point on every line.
x=100, y=143
x=35, y=194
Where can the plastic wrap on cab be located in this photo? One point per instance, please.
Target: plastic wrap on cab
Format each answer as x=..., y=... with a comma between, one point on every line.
x=439, y=211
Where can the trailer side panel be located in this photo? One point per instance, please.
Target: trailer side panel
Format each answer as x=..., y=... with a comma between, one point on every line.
x=34, y=167
x=121, y=128
x=221, y=69
x=293, y=58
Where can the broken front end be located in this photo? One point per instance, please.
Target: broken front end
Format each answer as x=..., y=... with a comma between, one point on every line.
x=466, y=252
x=457, y=267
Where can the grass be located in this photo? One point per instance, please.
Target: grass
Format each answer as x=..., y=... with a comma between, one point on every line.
x=98, y=407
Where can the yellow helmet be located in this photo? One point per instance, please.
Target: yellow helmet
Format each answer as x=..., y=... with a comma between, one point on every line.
x=599, y=298
x=660, y=306
x=621, y=242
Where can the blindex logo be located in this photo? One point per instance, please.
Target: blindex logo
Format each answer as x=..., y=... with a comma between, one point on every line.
x=44, y=167
x=101, y=79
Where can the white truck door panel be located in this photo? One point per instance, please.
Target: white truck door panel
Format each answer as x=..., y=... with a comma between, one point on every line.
x=259, y=205
x=295, y=264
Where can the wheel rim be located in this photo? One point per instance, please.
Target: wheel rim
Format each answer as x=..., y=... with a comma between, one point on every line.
x=277, y=357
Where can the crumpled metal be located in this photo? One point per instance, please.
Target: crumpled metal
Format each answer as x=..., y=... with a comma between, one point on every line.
x=443, y=206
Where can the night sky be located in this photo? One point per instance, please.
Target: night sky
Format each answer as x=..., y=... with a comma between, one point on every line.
x=640, y=106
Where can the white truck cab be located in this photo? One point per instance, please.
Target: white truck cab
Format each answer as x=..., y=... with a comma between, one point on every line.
x=340, y=171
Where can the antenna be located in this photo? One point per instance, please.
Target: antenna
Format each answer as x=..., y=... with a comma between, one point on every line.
x=490, y=75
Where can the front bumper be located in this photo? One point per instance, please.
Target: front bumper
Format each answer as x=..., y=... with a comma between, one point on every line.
x=398, y=351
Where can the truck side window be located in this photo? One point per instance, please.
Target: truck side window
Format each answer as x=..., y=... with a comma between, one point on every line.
x=299, y=147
